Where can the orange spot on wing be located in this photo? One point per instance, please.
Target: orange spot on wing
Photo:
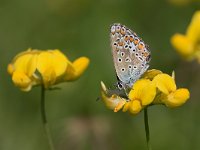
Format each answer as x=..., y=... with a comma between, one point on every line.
x=122, y=31
x=146, y=54
x=126, y=38
x=121, y=43
x=136, y=41
x=141, y=46
x=113, y=32
x=131, y=39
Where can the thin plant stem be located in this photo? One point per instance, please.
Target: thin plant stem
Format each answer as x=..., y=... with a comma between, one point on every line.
x=44, y=119
x=147, y=128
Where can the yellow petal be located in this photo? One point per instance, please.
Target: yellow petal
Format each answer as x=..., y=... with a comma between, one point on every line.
x=193, y=30
x=44, y=61
x=59, y=62
x=32, y=65
x=150, y=74
x=49, y=77
x=26, y=63
x=177, y=98
x=165, y=83
x=113, y=102
x=119, y=106
x=126, y=106
x=143, y=90
x=183, y=45
x=149, y=93
x=28, y=51
x=22, y=81
x=46, y=68
x=135, y=107
x=10, y=69
x=173, y=75
x=76, y=70
x=138, y=86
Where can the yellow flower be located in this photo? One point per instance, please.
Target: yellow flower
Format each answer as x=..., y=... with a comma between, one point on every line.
x=141, y=95
x=34, y=67
x=170, y=95
x=153, y=88
x=188, y=45
x=114, y=101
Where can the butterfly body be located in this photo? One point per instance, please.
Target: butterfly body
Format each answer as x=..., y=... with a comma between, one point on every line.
x=131, y=55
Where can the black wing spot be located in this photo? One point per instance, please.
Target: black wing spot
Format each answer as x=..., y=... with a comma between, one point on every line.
x=120, y=60
x=135, y=67
x=123, y=69
x=127, y=60
x=140, y=58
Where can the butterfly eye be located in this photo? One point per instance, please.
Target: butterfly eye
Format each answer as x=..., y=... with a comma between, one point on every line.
x=119, y=85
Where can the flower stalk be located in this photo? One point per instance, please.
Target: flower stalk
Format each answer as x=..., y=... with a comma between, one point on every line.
x=146, y=123
x=44, y=119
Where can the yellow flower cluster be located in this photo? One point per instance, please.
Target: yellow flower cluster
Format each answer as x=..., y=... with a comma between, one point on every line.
x=188, y=45
x=154, y=87
x=35, y=67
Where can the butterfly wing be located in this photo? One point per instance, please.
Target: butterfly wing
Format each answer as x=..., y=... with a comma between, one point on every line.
x=130, y=54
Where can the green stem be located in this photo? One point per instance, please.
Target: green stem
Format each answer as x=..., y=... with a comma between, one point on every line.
x=44, y=119
x=147, y=128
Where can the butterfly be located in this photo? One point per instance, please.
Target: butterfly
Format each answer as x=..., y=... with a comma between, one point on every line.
x=131, y=55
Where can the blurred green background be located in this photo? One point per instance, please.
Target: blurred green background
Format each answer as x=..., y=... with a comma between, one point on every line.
x=77, y=120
